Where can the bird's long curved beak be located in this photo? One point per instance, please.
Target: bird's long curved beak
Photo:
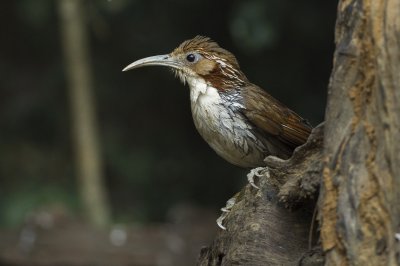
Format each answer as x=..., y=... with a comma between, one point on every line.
x=157, y=60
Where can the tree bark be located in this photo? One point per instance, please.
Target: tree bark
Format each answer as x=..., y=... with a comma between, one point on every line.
x=355, y=156
x=79, y=76
x=360, y=200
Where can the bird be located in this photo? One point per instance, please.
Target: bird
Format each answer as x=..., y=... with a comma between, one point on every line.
x=239, y=120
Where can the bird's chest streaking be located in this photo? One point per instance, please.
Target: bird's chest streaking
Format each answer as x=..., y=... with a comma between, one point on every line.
x=222, y=126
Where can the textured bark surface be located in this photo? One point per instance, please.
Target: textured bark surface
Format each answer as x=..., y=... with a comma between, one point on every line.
x=360, y=199
x=271, y=226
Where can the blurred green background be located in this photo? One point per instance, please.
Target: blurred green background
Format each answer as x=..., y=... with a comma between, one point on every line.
x=153, y=158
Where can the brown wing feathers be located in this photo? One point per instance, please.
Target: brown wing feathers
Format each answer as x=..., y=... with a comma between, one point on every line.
x=274, y=118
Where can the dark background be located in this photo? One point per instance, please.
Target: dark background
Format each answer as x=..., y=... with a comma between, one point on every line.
x=153, y=157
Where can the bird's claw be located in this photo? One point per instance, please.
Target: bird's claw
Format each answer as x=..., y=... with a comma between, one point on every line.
x=225, y=210
x=256, y=172
x=221, y=219
x=231, y=202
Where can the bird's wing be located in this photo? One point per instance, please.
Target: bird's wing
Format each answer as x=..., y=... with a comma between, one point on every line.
x=274, y=118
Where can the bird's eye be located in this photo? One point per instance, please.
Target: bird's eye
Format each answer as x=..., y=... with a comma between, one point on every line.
x=191, y=58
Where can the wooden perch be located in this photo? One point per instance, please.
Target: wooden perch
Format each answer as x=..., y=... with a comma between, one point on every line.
x=271, y=226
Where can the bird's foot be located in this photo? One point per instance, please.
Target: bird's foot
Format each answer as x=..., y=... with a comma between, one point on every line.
x=256, y=172
x=259, y=171
x=225, y=210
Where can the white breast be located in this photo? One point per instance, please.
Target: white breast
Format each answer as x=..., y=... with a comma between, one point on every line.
x=224, y=130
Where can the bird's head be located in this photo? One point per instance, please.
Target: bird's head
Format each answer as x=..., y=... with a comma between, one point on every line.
x=199, y=58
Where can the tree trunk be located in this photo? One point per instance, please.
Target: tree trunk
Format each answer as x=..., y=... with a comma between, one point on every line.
x=79, y=76
x=360, y=200
x=356, y=155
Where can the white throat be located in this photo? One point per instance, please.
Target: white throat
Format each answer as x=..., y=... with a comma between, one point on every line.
x=203, y=94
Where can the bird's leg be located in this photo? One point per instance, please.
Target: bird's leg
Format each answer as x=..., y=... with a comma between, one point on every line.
x=257, y=172
x=225, y=210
